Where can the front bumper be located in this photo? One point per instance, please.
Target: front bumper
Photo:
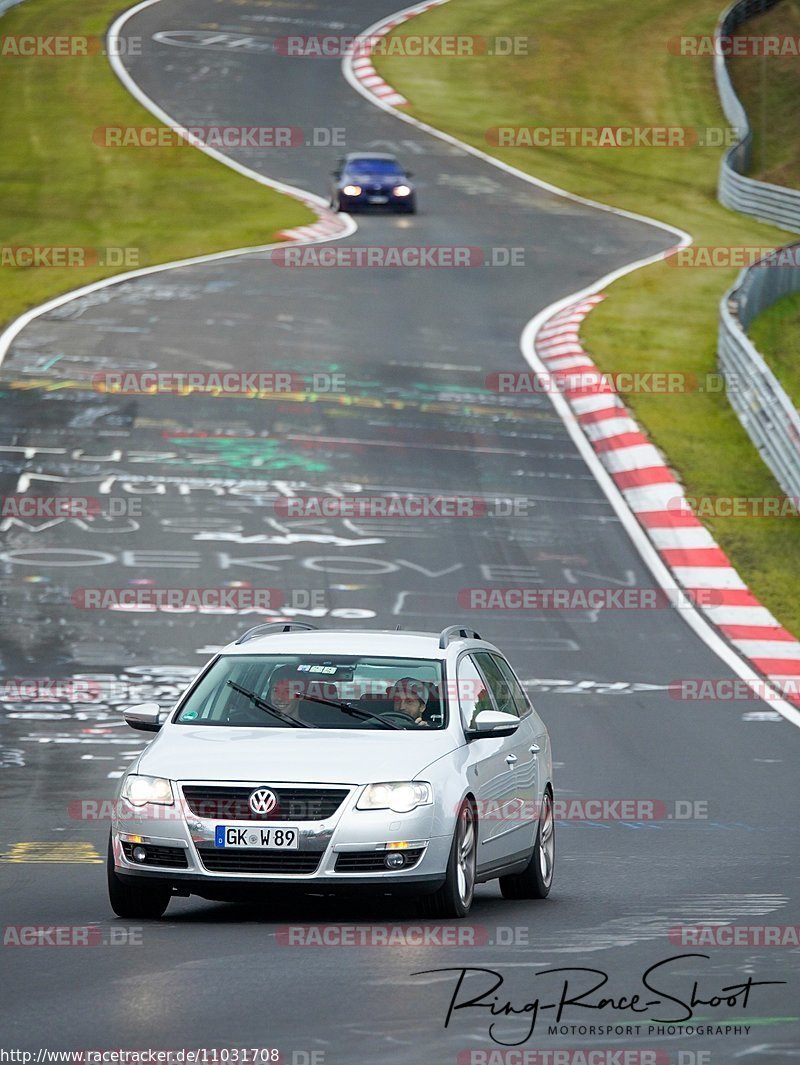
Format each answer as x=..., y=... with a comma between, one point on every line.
x=200, y=867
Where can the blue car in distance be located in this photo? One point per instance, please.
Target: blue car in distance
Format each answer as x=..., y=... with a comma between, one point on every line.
x=372, y=179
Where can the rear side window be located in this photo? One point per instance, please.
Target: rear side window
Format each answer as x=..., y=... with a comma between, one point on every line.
x=508, y=694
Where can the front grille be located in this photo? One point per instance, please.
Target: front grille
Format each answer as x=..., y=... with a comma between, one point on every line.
x=223, y=860
x=374, y=861
x=156, y=855
x=227, y=803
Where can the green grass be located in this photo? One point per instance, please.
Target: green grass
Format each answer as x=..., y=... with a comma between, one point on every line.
x=769, y=88
x=61, y=189
x=606, y=64
x=776, y=334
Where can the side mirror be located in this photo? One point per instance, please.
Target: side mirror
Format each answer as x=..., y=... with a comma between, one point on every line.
x=493, y=723
x=409, y=173
x=145, y=717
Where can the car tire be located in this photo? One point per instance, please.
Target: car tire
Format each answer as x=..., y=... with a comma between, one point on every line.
x=454, y=897
x=536, y=879
x=148, y=899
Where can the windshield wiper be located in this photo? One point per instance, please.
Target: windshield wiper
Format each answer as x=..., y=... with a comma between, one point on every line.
x=262, y=704
x=353, y=711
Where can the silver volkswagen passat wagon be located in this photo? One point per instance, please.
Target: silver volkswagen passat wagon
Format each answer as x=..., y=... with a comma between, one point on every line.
x=279, y=767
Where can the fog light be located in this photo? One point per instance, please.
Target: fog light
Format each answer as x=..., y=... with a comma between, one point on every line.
x=139, y=854
x=395, y=860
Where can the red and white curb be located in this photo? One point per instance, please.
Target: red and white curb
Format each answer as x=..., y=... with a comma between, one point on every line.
x=656, y=498
x=362, y=67
x=329, y=225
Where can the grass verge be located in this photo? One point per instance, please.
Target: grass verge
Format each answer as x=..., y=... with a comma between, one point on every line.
x=62, y=190
x=611, y=64
x=769, y=88
x=776, y=334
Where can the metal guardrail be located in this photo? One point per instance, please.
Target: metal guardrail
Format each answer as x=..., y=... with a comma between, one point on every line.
x=753, y=390
x=760, y=199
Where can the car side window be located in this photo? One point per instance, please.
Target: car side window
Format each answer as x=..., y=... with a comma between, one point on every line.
x=521, y=700
x=502, y=684
x=472, y=693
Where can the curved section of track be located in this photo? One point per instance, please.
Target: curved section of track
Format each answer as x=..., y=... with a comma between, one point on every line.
x=412, y=348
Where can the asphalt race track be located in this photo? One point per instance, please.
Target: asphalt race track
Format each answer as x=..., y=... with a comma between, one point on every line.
x=414, y=347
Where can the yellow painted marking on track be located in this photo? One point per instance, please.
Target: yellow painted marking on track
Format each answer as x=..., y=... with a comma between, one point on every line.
x=52, y=851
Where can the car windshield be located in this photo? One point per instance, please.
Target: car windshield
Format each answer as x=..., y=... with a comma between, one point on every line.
x=374, y=166
x=317, y=691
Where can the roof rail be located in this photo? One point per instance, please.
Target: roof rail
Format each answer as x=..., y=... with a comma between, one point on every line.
x=275, y=626
x=457, y=632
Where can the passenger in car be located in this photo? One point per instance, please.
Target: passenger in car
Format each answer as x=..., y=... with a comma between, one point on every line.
x=285, y=690
x=296, y=694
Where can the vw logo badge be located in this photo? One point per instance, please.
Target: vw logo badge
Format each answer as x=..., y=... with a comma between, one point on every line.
x=263, y=801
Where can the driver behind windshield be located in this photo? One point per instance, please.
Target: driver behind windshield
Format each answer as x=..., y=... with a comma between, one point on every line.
x=410, y=696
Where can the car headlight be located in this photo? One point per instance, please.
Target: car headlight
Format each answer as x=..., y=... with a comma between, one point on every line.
x=352, y=190
x=398, y=795
x=402, y=190
x=140, y=790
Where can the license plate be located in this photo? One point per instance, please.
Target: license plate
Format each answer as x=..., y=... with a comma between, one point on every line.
x=377, y=199
x=278, y=839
